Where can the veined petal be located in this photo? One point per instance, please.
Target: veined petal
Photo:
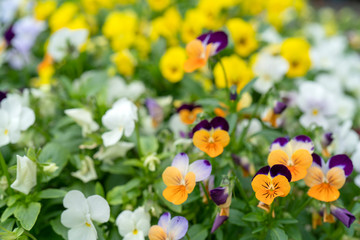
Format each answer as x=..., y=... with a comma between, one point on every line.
x=222, y=137
x=260, y=181
x=176, y=194
x=297, y=173
x=99, y=208
x=302, y=142
x=281, y=183
x=336, y=177
x=157, y=233
x=264, y=196
x=164, y=221
x=172, y=176
x=201, y=139
x=190, y=182
x=302, y=158
x=315, y=176
x=278, y=157
x=181, y=162
x=342, y=161
x=324, y=192
x=178, y=227
x=201, y=168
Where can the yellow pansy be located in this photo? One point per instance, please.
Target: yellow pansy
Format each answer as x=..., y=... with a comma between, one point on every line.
x=125, y=62
x=237, y=71
x=43, y=9
x=62, y=16
x=252, y=7
x=243, y=35
x=113, y=27
x=172, y=64
x=166, y=26
x=211, y=10
x=142, y=45
x=297, y=52
x=78, y=22
x=158, y=5
x=194, y=22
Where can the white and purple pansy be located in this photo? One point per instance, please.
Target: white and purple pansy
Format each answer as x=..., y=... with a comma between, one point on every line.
x=169, y=228
x=341, y=160
x=342, y=214
x=219, y=41
x=298, y=142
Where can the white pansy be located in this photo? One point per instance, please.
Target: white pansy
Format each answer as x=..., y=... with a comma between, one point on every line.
x=120, y=120
x=269, y=69
x=345, y=139
x=25, y=175
x=117, y=88
x=133, y=225
x=83, y=118
x=87, y=171
x=66, y=42
x=80, y=214
x=50, y=168
x=177, y=126
x=270, y=35
x=112, y=152
x=15, y=117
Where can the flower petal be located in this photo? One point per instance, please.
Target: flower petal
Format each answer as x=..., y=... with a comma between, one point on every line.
x=281, y=183
x=336, y=177
x=157, y=233
x=99, y=208
x=201, y=169
x=204, y=124
x=219, y=220
x=178, y=227
x=324, y=192
x=181, y=162
x=175, y=194
x=279, y=143
x=164, y=220
x=263, y=196
x=190, y=182
x=346, y=217
x=278, y=157
x=27, y=118
x=112, y=137
x=75, y=200
x=342, y=161
x=82, y=233
x=314, y=176
x=264, y=171
x=172, y=176
x=219, y=195
x=279, y=169
x=317, y=160
x=260, y=182
x=222, y=137
x=219, y=122
x=302, y=142
x=71, y=218
x=125, y=222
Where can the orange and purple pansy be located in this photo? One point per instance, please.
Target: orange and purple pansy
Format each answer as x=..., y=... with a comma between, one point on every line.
x=205, y=46
x=271, y=182
x=211, y=137
x=294, y=154
x=189, y=112
x=222, y=198
x=169, y=228
x=325, y=179
x=273, y=115
x=155, y=110
x=180, y=178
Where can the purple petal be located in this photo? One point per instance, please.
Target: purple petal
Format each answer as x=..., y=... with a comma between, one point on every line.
x=343, y=215
x=219, y=122
x=279, y=107
x=219, y=195
x=178, y=227
x=264, y=170
x=181, y=162
x=219, y=220
x=317, y=160
x=201, y=168
x=302, y=142
x=189, y=107
x=279, y=169
x=164, y=220
x=343, y=162
x=205, y=36
x=219, y=40
x=2, y=95
x=327, y=139
x=279, y=142
x=204, y=124
x=9, y=35
x=155, y=111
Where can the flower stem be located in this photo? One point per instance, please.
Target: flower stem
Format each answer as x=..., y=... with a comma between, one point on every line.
x=5, y=168
x=138, y=142
x=205, y=191
x=242, y=191
x=307, y=202
x=29, y=235
x=226, y=81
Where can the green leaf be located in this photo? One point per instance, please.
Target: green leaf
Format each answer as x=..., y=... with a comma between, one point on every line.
x=293, y=232
x=59, y=228
x=27, y=215
x=8, y=212
x=149, y=144
x=288, y=221
x=198, y=232
x=119, y=194
x=52, y=193
x=254, y=217
x=276, y=234
x=236, y=217
x=99, y=190
x=232, y=120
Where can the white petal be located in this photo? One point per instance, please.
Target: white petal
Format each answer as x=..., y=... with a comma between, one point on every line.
x=201, y=168
x=27, y=118
x=25, y=175
x=75, y=200
x=112, y=137
x=181, y=162
x=144, y=226
x=125, y=222
x=129, y=128
x=132, y=236
x=99, y=208
x=357, y=181
x=73, y=218
x=14, y=135
x=4, y=138
x=4, y=119
x=82, y=233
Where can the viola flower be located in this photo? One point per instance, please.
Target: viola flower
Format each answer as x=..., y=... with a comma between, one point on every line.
x=189, y=112
x=133, y=225
x=181, y=177
x=155, y=110
x=205, y=46
x=325, y=179
x=83, y=118
x=346, y=217
x=271, y=182
x=211, y=137
x=273, y=115
x=294, y=154
x=87, y=172
x=222, y=198
x=169, y=228
x=25, y=175
x=326, y=140
x=80, y=214
x=172, y=64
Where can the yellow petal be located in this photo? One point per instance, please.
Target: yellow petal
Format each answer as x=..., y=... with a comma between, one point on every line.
x=281, y=184
x=336, y=177
x=263, y=196
x=315, y=176
x=190, y=182
x=302, y=158
x=221, y=136
x=278, y=157
x=324, y=192
x=157, y=233
x=172, y=176
x=260, y=181
x=175, y=194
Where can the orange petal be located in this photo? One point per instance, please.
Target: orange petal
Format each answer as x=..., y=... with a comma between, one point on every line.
x=157, y=233
x=176, y=194
x=282, y=185
x=336, y=177
x=172, y=176
x=194, y=49
x=315, y=176
x=260, y=181
x=221, y=136
x=297, y=173
x=278, y=157
x=324, y=192
x=192, y=64
x=302, y=158
x=190, y=182
x=186, y=116
x=264, y=196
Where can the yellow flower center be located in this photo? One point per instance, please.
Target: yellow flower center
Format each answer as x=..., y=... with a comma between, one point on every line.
x=88, y=224
x=135, y=231
x=6, y=132
x=315, y=112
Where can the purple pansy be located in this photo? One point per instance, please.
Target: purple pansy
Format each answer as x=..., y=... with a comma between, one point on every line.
x=274, y=171
x=341, y=161
x=279, y=107
x=155, y=111
x=346, y=217
x=219, y=195
x=175, y=227
x=219, y=220
x=217, y=122
x=219, y=41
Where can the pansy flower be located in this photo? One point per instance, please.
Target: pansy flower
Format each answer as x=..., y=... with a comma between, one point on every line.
x=272, y=116
x=222, y=198
x=271, y=182
x=205, y=46
x=169, y=228
x=294, y=154
x=189, y=112
x=181, y=177
x=342, y=214
x=211, y=137
x=325, y=179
